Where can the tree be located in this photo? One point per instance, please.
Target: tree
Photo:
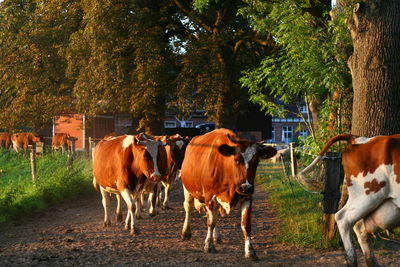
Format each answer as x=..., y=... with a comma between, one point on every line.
x=374, y=65
x=220, y=45
x=306, y=64
x=121, y=60
x=33, y=85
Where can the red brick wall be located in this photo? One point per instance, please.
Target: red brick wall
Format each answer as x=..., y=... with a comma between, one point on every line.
x=71, y=124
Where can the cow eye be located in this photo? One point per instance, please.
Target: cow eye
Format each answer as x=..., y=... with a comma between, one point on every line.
x=146, y=156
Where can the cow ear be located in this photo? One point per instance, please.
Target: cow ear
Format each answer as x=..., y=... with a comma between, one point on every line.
x=267, y=152
x=227, y=150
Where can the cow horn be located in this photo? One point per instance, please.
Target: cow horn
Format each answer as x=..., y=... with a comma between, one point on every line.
x=234, y=140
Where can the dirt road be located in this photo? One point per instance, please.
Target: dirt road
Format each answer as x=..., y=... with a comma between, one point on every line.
x=72, y=234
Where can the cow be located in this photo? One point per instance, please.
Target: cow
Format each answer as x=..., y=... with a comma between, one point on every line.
x=5, y=140
x=218, y=172
x=123, y=165
x=63, y=141
x=22, y=140
x=372, y=174
x=175, y=150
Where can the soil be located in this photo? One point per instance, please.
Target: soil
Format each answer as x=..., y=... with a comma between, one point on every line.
x=72, y=234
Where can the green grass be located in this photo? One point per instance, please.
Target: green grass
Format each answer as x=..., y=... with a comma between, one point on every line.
x=54, y=182
x=299, y=212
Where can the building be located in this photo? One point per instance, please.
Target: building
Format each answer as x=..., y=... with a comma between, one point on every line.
x=291, y=127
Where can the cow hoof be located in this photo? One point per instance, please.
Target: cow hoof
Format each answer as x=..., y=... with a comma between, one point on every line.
x=218, y=240
x=135, y=231
x=186, y=236
x=106, y=224
x=152, y=214
x=138, y=217
x=210, y=249
x=251, y=256
x=119, y=217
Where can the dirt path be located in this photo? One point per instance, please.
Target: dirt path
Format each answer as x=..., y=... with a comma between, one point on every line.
x=72, y=235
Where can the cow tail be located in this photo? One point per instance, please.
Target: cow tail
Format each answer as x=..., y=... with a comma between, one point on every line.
x=301, y=175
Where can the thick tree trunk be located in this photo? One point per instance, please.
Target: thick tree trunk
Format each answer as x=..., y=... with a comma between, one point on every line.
x=375, y=65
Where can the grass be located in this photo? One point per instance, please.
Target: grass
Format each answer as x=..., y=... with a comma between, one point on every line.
x=299, y=212
x=55, y=182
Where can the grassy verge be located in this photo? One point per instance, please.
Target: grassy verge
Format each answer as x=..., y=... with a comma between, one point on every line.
x=55, y=182
x=299, y=212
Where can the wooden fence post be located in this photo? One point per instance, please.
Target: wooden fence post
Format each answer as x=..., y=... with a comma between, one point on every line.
x=71, y=153
x=293, y=163
x=33, y=162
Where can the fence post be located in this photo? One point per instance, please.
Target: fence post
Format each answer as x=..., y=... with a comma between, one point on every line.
x=293, y=163
x=33, y=162
x=333, y=179
x=89, y=152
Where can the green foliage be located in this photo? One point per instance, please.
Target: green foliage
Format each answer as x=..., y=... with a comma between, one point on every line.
x=299, y=213
x=32, y=38
x=55, y=182
x=308, y=64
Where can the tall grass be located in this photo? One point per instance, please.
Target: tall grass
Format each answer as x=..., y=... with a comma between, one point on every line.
x=299, y=212
x=54, y=183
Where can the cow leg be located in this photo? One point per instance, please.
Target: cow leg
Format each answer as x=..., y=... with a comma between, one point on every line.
x=139, y=205
x=131, y=210
x=106, y=204
x=211, y=222
x=159, y=194
x=152, y=200
x=363, y=239
x=118, y=211
x=217, y=236
x=167, y=189
x=249, y=251
x=353, y=211
x=187, y=205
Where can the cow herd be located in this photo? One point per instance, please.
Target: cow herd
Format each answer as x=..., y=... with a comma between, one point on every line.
x=217, y=170
x=24, y=140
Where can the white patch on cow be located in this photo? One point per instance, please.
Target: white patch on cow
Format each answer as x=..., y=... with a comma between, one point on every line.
x=179, y=143
x=111, y=190
x=249, y=154
x=152, y=148
x=362, y=140
x=247, y=246
x=384, y=173
x=128, y=140
x=226, y=206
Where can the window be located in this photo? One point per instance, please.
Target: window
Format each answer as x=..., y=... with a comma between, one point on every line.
x=303, y=109
x=272, y=135
x=303, y=132
x=169, y=124
x=287, y=134
x=188, y=124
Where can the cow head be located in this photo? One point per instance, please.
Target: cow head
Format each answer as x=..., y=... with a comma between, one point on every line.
x=147, y=158
x=178, y=147
x=36, y=138
x=245, y=156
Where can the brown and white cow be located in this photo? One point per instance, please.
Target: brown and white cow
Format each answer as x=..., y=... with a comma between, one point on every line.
x=122, y=165
x=372, y=174
x=5, y=140
x=63, y=141
x=218, y=171
x=175, y=150
x=22, y=140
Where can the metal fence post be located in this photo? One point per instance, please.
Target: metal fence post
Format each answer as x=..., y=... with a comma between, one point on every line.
x=333, y=179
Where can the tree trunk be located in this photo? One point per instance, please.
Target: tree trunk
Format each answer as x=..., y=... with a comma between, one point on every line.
x=374, y=65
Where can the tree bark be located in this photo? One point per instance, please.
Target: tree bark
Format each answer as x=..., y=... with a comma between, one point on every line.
x=374, y=65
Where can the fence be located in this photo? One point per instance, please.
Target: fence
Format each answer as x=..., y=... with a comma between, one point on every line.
x=329, y=174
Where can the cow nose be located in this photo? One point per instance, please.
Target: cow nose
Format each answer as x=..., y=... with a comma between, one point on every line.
x=247, y=188
x=155, y=178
